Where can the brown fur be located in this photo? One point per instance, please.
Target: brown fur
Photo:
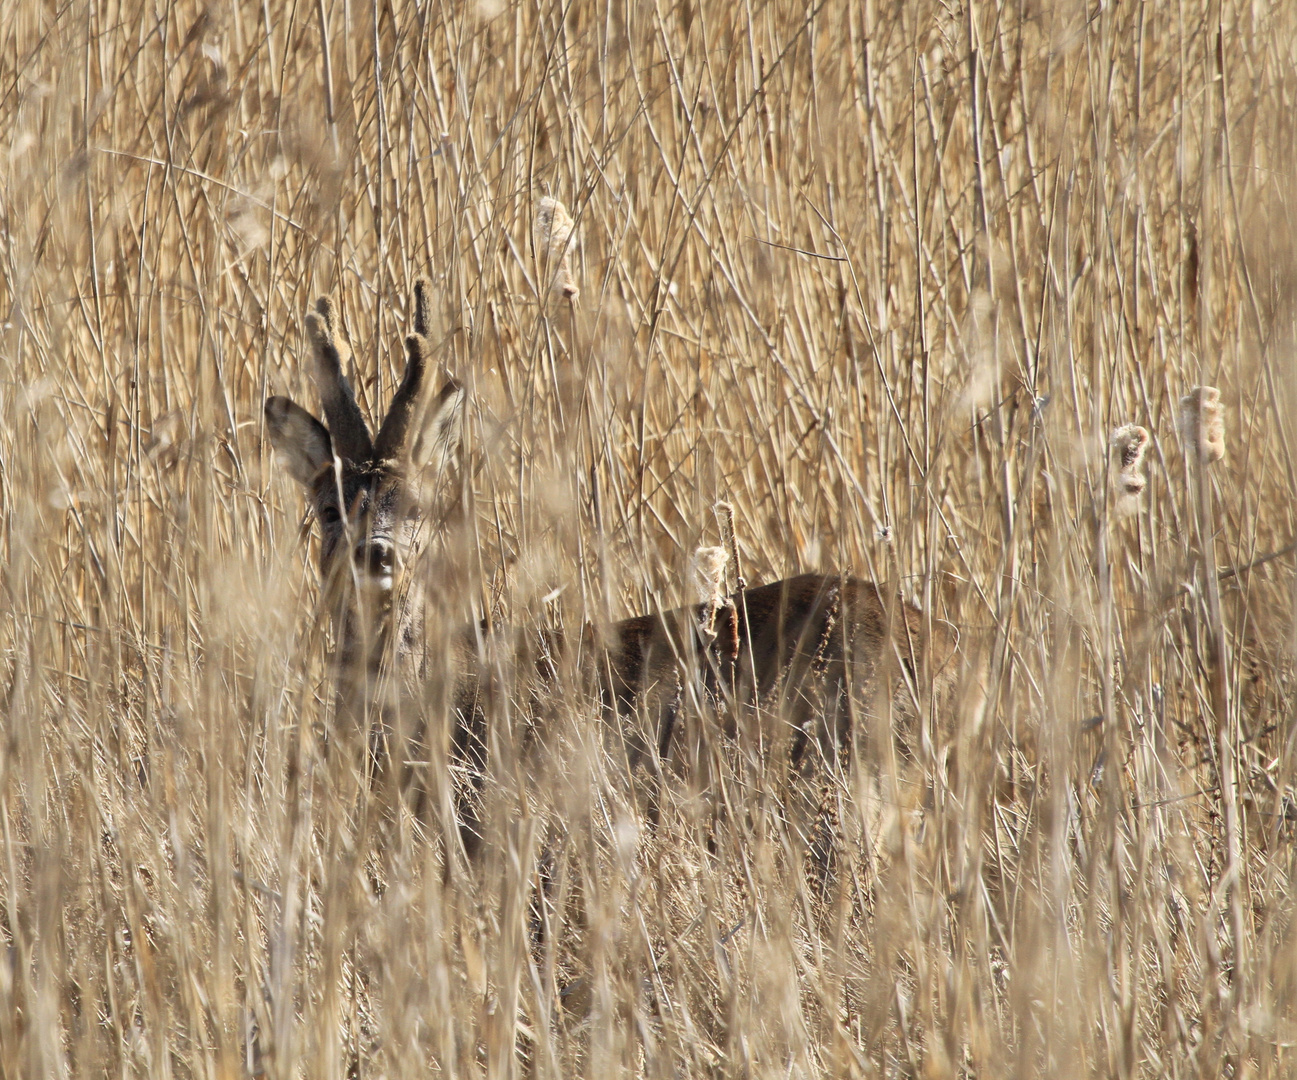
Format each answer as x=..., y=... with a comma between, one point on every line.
x=807, y=651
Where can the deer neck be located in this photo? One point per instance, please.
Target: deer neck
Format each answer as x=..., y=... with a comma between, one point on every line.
x=376, y=642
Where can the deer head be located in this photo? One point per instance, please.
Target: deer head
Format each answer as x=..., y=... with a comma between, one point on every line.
x=365, y=490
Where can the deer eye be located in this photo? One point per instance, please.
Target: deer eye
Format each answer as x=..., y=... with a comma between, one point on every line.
x=329, y=515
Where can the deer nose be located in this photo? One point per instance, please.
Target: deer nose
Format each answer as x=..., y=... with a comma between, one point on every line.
x=376, y=558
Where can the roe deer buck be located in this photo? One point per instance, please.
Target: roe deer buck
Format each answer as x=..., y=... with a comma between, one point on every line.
x=365, y=494
x=807, y=650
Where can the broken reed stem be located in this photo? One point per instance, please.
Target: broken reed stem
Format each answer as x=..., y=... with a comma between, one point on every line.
x=1203, y=430
x=725, y=512
x=1129, y=444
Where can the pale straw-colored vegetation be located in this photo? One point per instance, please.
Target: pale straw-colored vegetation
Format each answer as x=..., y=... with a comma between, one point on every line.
x=901, y=284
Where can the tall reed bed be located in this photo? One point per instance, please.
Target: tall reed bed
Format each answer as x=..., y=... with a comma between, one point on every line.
x=884, y=279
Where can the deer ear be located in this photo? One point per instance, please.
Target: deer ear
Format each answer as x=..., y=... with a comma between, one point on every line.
x=301, y=442
x=441, y=434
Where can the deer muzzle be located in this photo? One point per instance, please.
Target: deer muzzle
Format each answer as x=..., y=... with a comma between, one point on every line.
x=375, y=560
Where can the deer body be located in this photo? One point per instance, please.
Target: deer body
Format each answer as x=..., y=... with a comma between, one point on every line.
x=804, y=655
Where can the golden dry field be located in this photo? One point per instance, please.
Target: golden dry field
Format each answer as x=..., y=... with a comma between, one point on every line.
x=885, y=278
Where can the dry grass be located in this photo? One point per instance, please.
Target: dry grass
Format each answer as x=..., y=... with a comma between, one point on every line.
x=886, y=282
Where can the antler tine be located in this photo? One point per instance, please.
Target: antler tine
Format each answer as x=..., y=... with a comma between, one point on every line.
x=346, y=425
x=422, y=306
x=328, y=311
x=393, y=435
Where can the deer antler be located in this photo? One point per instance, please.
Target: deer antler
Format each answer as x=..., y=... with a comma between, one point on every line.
x=392, y=436
x=346, y=426
x=422, y=306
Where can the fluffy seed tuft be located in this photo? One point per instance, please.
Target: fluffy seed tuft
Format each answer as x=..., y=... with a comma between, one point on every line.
x=1202, y=423
x=1129, y=442
x=553, y=239
x=707, y=568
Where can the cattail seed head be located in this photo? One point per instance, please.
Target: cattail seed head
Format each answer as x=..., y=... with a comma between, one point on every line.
x=1202, y=423
x=1129, y=442
x=553, y=240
